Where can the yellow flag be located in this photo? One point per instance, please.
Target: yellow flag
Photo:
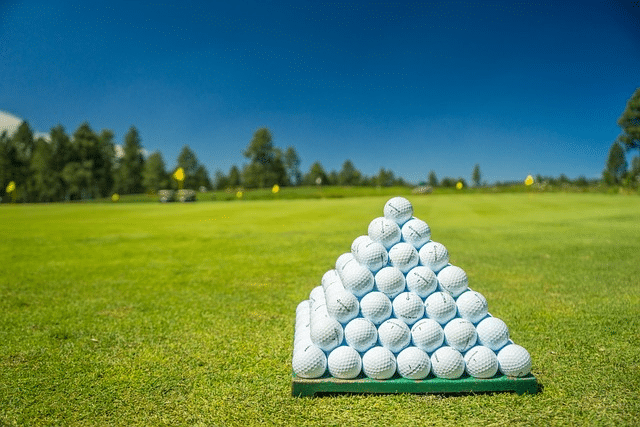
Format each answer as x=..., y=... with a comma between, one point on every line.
x=239, y=194
x=275, y=189
x=179, y=174
x=529, y=180
x=459, y=185
x=11, y=187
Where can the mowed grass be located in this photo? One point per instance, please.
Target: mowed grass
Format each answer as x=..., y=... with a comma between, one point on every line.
x=183, y=314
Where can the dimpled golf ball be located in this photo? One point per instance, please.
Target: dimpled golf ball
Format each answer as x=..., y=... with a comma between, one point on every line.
x=329, y=278
x=492, y=333
x=357, y=241
x=460, y=334
x=394, y=334
x=342, y=305
x=303, y=307
x=403, y=256
x=416, y=232
x=453, y=280
x=441, y=307
x=413, y=363
x=309, y=362
x=344, y=362
x=379, y=363
x=421, y=280
x=326, y=333
x=398, y=209
x=390, y=281
x=385, y=231
x=434, y=255
x=357, y=279
x=447, y=363
x=514, y=361
x=427, y=335
x=481, y=362
x=472, y=306
x=376, y=307
x=372, y=255
x=343, y=260
x=361, y=334
x=316, y=294
x=408, y=307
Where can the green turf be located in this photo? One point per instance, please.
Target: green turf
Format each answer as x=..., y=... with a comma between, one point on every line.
x=182, y=314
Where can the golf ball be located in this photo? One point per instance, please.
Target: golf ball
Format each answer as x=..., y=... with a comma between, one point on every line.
x=408, y=307
x=372, y=255
x=343, y=260
x=342, y=305
x=394, y=334
x=379, y=363
x=390, y=281
x=398, y=209
x=422, y=281
x=427, y=335
x=309, y=362
x=326, y=333
x=447, y=363
x=344, y=362
x=403, y=256
x=385, y=231
x=376, y=307
x=357, y=279
x=434, y=255
x=481, y=362
x=460, y=334
x=329, y=278
x=416, y=232
x=316, y=294
x=514, y=361
x=303, y=307
x=492, y=333
x=472, y=306
x=413, y=363
x=358, y=240
x=361, y=334
x=441, y=307
x=453, y=280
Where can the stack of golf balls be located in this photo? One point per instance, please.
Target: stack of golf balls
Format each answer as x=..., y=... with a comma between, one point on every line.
x=394, y=304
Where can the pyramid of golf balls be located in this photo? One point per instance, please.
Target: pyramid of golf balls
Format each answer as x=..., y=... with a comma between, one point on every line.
x=394, y=303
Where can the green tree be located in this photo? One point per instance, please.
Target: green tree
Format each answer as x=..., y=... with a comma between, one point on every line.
x=44, y=180
x=349, y=175
x=234, y=177
x=201, y=178
x=19, y=152
x=87, y=148
x=433, y=179
x=5, y=164
x=476, y=176
x=616, y=166
x=629, y=121
x=266, y=166
x=63, y=152
x=105, y=162
x=129, y=177
x=154, y=174
x=292, y=166
x=385, y=178
x=188, y=161
x=316, y=175
x=221, y=181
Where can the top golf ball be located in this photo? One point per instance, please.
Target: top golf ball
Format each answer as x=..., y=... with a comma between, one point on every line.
x=398, y=209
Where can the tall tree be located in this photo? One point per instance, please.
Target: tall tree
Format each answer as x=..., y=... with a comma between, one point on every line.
x=629, y=121
x=385, y=178
x=234, y=177
x=349, y=175
x=44, y=180
x=221, y=180
x=105, y=163
x=476, y=176
x=188, y=161
x=5, y=164
x=316, y=175
x=266, y=165
x=616, y=166
x=154, y=174
x=19, y=153
x=433, y=179
x=87, y=147
x=62, y=153
x=130, y=171
x=292, y=166
x=201, y=178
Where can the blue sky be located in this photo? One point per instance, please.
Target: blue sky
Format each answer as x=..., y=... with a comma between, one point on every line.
x=517, y=87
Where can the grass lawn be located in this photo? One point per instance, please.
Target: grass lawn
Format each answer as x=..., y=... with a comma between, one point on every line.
x=183, y=314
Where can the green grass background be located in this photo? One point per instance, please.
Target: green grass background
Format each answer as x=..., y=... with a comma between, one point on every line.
x=183, y=314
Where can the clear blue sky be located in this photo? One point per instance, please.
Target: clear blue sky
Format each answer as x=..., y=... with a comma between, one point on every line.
x=517, y=87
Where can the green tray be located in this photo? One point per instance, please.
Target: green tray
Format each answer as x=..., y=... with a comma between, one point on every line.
x=302, y=387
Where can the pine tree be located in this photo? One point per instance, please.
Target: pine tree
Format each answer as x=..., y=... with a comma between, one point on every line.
x=629, y=121
x=129, y=177
x=154, y=174
x=616, y=166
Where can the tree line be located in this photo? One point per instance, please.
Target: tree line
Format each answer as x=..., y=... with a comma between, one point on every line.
x=617, y=170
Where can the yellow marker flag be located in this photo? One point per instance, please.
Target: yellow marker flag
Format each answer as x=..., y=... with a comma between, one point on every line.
x=459, y=185
x=528, y=181
x=275, y=189
x=11, y=187
x=179, y=174
x=239, y=194
x=115, y=197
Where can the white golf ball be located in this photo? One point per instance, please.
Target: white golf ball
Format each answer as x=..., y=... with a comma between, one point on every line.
x=390, y=281
x=398, y=209
x=329, y=278
x=413, y=363
x=472, y=306
x=316, y=294
x=342, y=305
x=361, y=334
x=481, y=362
x=326, y=333
x=434, y=255
x=408, y=307
x=416, y=232
x=343, y=260
x=422, y=280
x=358, y=240
x=514, y=361
x=309, y=362
x=460, y=334
x=344, y=362
x=394, y=334
x=303, y=307
x=357, y=279
x=441, y=307
x=453, y=280
x=447, y=363
x=427, y=335
x=385, y=231
x=492, y=333
x=404, y=256
x=379, y=363
x=376, y=307
x=372, y=255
